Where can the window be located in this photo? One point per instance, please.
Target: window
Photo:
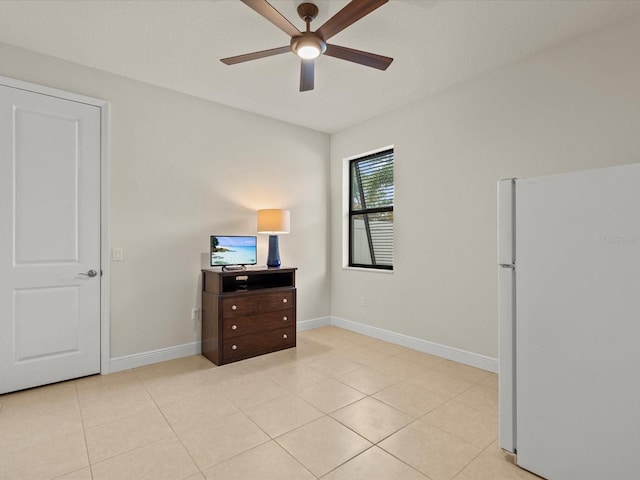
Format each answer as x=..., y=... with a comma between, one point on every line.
x=371, y=194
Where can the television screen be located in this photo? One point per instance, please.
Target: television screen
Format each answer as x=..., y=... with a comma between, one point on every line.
x=233, y=250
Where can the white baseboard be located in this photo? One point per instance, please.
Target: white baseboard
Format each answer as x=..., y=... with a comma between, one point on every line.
x=135, y=360
x=154, y=356
x=450, y=353
x=313, y=323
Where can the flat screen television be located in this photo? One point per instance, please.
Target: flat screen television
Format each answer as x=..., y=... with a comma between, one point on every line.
x=233, y=250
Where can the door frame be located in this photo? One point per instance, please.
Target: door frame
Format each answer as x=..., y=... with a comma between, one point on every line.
x=103, y=105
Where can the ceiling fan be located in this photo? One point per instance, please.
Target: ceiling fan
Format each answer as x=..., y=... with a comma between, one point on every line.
x=309, y=45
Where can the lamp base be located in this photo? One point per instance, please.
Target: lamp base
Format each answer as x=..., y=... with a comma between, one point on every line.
x=273, y=258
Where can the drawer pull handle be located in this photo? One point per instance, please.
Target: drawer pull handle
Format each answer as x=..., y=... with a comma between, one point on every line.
x=234, y=347
x=284, y=336
x=234, y=327
x=284, y=300
x=233, y=307
x=285, y=318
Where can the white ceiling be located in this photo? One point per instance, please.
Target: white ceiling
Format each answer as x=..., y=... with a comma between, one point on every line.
x=178, y=44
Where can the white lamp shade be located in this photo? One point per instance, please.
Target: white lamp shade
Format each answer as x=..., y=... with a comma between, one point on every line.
x=273, y=221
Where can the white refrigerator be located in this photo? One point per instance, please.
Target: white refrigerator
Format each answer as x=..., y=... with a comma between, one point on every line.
x=569, y=314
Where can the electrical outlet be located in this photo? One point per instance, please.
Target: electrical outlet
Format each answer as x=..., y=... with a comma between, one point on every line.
x=362, y=302
x=195, y=314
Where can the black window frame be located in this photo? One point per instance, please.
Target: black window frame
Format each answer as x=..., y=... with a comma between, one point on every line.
x=382, y=155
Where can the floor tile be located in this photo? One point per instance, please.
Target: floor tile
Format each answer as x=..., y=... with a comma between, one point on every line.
x=219, y=375
x=27, y=426
x=163, y=460
x=437, y=454
x=387, y=348
x=218, y=440
x=39, y=400
x=332, y=364
x=328, y=340
x=440, y=383
x=96, y=386
x=117, y=405
x=175, y=388
x=262, y=363
x=251, y=390
x=321, y=335
x=282, y=414
x=410, y=399
x=179, y=366
x=113, y=438
x=464, y=372
x=423, y=359
x=45, y=459
x=365, y=355
x=307, y=348
x=367, y=380
x=480, y=397
x=203, y=406
x=268, y=461
x=372, y=419
x=494, y=449
x=354, y=337
x=476, y=427
x=490, y=467
x=295, y=376
x=197, y=476
x=398, y=367
x=374, y=464
x=82, y=474
x=323, y=445
x=330, y=395
x=491, y=381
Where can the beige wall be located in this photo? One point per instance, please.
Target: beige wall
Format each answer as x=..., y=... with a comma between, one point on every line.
x=184, y=168
x=573, y=107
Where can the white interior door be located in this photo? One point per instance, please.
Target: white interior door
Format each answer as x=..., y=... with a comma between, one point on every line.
x=578, y=324
x=49, y=239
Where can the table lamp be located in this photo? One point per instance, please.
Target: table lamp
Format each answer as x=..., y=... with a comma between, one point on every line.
x=273, y=222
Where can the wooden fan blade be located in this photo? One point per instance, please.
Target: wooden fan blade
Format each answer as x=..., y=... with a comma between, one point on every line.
x=265, y=9
x=350, y=14
x=255, y=55
x=357, y=56
x=306, y=75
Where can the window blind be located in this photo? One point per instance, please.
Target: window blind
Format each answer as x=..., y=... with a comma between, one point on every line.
x=371, y=226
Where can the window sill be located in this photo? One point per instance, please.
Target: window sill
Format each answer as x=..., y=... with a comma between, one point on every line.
x=362, y=269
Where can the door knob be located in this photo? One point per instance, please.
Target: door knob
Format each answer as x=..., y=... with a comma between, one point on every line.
x=90, y=273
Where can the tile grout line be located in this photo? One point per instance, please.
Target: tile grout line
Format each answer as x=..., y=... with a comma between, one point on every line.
x=84, y=431
x=175, y=434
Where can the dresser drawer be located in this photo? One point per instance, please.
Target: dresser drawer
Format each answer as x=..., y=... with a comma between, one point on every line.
x=237, y=326
x=240, y=305
x=247, y=346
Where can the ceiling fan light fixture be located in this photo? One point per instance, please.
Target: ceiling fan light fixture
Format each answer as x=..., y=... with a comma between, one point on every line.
x=308, y=52
x=308, y=45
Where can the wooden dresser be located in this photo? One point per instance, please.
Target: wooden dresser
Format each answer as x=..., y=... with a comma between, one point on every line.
x=247, y=313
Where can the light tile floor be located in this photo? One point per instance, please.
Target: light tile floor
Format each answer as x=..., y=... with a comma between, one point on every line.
x=340, y=406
